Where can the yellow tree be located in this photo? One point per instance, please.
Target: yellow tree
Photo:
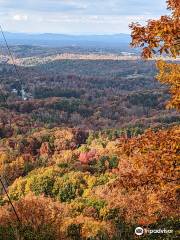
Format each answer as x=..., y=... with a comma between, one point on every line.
x=162, y=36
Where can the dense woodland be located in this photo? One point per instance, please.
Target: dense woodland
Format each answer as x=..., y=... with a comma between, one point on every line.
x=93, y=151
x=93, y=94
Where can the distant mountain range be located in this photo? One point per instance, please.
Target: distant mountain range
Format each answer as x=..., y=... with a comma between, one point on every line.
x=61, y=40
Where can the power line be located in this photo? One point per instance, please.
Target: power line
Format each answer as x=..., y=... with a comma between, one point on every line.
x=10, y=54
x=13, y=207
x=5, y=99
x=4, y=188
x=19, y=76
x=13, y=62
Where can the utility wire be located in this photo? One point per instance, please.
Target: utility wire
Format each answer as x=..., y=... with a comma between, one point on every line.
x=13, y=62
x=4, y=188
x=14, y=65
x=13, y=207
x=20, y=79
x=19, y=76
x=11, y=55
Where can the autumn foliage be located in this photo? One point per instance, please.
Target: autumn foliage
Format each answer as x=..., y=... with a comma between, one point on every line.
x=71, y=184
x=169, y=73
x=90, y=190
x=159, y=37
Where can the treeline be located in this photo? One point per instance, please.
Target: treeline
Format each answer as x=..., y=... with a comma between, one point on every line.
x=41, y=92
x=71, y=184
x=92, y=95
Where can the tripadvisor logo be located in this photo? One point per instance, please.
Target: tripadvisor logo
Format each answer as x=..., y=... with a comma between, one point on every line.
x=139, y=231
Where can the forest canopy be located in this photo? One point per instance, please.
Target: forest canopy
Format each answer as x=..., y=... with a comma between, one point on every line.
x=73, y=183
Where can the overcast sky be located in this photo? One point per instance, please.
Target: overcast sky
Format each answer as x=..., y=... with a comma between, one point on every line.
x=77, y=16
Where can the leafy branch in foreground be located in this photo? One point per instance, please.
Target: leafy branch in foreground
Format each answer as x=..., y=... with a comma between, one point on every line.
x=159, y=37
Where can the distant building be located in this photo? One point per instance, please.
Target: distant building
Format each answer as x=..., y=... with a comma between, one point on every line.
x=15, y=91
x=23, y=94
x=127, y=53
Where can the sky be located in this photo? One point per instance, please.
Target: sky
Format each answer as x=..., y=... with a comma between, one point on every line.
x=77, y=16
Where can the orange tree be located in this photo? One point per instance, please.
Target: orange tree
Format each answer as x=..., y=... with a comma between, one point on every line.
x=162, y=36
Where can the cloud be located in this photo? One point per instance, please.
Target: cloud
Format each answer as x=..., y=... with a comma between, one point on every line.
x=19, y=17
x=92, y=7
x=44, y=5
x=77, y=15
